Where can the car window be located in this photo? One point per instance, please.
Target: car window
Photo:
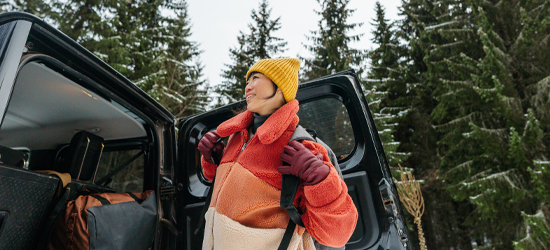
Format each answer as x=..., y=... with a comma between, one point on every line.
x=130, y=178
x=5, y=30
x=330, y=120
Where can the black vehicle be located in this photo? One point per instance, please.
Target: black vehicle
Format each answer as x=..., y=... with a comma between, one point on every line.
x=51, y=88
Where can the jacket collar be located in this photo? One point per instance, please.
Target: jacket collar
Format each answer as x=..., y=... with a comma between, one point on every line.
x=270, y=131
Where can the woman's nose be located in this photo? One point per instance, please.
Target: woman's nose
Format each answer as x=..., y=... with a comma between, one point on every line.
x=248, y=87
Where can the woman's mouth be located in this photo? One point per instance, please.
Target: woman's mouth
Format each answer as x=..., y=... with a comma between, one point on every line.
x=248, y=97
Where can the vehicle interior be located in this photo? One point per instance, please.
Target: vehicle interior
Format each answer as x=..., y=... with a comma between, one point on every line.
x=47, y=110
x=54, y=123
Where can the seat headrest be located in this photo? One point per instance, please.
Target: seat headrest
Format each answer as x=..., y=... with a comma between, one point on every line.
x=81, y=157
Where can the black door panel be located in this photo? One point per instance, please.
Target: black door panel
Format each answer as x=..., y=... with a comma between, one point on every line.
x=367, y=231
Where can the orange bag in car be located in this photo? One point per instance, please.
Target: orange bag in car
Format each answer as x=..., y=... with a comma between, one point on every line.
x=107, y=221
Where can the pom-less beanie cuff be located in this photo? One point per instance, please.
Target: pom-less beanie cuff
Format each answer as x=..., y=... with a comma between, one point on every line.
x=282, y=71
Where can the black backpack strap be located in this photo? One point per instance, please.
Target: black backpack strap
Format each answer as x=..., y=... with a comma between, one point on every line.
x=101, y=199
x=59, y=207
x=288, y=192
x=289, y=187
x=287, y=236
x=138, y=200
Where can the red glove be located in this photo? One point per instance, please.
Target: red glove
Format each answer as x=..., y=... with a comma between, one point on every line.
x=211, y=148
x=303, y=163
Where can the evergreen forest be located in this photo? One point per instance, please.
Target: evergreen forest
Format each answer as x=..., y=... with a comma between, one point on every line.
x=459, y=90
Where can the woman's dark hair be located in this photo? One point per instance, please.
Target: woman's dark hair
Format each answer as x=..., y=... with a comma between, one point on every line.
x=274, y=85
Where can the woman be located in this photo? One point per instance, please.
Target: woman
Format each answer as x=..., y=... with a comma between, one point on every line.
x=245, y=212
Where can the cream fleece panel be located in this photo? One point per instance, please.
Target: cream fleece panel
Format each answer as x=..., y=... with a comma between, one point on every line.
x=231, y=235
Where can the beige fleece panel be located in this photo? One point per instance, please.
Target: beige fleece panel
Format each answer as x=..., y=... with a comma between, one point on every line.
x=221, y=232
x=247, y=199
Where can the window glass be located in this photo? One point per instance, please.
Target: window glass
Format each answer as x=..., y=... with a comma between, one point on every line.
x=5, y=30
x=130, y=178
x=330, y=120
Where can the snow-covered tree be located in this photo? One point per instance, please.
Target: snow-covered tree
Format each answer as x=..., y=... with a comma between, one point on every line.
x=489, y=114
x=145, y=40
x=258, y=43
x=331, y=43
x=384, y=63
x=39, y=8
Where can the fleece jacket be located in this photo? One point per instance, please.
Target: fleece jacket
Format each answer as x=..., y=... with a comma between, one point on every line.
x=245, y=211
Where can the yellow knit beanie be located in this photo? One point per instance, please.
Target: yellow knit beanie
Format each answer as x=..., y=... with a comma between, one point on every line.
x=282, y=71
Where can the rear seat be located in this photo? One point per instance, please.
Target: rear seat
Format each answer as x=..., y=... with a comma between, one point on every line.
x=26, y=198
x=81, y=159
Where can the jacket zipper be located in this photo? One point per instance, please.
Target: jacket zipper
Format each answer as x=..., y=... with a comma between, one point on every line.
x=242, y=149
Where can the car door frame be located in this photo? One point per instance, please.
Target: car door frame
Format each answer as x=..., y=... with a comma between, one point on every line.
x=73, y=59
x=366, y=163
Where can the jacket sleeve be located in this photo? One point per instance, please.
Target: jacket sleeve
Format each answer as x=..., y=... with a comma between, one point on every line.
x=328, y=211
x=208, y=169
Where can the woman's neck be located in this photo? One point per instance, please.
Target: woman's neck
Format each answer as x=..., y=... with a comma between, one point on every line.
x=258, y=121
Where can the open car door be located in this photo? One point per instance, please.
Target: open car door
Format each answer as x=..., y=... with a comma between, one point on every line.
x=336, y=109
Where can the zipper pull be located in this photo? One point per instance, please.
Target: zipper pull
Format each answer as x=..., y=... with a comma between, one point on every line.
x=244, y=146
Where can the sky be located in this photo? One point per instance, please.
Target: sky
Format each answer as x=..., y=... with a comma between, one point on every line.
x=216, y=25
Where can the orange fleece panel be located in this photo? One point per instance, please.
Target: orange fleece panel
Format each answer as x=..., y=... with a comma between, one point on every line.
x=208, y=169
x=234, y=145
x=249, y=200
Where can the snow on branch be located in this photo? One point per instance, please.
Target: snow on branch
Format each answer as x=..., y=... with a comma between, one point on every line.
x=503, y=177
x=467, y=83
x=461, y=166
x=512, y=103
x=447, y=45
x=467, y=118
x=440, y=25
x=542, y=91
x=455, y=30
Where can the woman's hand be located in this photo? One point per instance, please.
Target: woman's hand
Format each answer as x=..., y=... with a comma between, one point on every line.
x=211, y=147
x=303, y=163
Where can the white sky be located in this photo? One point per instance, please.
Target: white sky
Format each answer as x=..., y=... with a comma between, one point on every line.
x=216, y=25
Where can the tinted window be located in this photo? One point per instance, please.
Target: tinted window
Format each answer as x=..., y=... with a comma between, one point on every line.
x=130, y=178
x=330, y=120
x=5, y=30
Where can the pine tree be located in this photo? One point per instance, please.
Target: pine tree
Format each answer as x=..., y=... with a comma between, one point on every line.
x=384, y=63
x=5, y=6
x=411, y=95
x=330, y=49
x=145, y=40
x=259, y=43
x=489, y=113
x=177, y=82
x=79, y=19
x=39, y=8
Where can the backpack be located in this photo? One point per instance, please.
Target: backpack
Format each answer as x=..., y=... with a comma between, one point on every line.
x=107, y=221
x=290, y=187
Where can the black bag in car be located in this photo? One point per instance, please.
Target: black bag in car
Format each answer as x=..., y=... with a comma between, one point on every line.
x=107, y=221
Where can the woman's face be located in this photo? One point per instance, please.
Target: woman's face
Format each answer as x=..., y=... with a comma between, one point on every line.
x=260, y=97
